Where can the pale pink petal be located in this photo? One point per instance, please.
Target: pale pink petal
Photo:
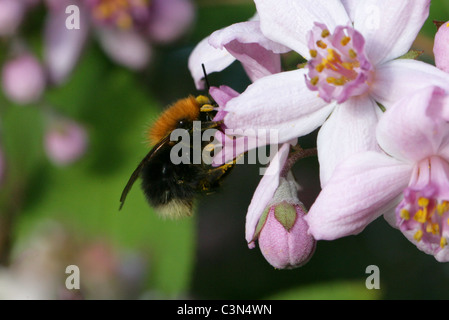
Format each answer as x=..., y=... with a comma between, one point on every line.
x=288, y=22
x=414, y=129
x=350, y=6
x=403, y=77
x=358, y=192
x=65, y=141
x=278, y=102
x=63, y=46
x=170, y=19
x=11, y=16
x=127, y=48
x=264, y=192
x=23, y=79
x=221, y=96
x=245, y=33
x=214, y=60
x=441, y=47
x=389, y=27
x=350, y=129
x=245, y=41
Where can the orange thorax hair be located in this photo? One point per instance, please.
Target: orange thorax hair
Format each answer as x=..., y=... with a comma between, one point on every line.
x=187, y=109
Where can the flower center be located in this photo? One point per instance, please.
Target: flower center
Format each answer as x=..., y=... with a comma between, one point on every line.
x=123, y=14
x=423, y=214
x=338, y=68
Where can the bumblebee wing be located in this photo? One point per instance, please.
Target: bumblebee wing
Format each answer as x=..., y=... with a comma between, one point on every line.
x=136, y=173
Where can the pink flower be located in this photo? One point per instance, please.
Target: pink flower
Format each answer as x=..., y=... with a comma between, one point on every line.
x=11, y=16
x=125, y=29
x=411, y=176
x=282, y=230
x=65, y=141
x=441, y=47
x=352, y=48
x=23, y=79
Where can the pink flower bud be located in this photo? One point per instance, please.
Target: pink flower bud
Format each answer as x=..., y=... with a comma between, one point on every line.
x=23, y=79
x=11, y=15
x=282, y=231
x=441, y=47
x=65, y=142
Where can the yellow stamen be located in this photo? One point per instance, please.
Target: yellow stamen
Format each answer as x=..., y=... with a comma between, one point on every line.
x=345, y=40
x=352, y=53
x=348, y=65
x=421, y=216
x=125, y=21
x=333, y=56
x=340, y=81
x=314, y=81
x=102, y=11
x=313, y=53
x=325, y=33
x=423, y=202
x=443, y=242
x=319, y=67
x=321, y=44
x=418, y=235
x=433, y=228
x=404, y=214
x=442, y=207
x=330, y=80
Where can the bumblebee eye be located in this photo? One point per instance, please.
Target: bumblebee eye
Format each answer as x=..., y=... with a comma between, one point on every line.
x=182, y=123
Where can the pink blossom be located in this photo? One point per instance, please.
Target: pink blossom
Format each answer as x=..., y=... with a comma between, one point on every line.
x=65, y=141
x=352, y=68
x=23, y=79
x=125, y=29
x=408, y=183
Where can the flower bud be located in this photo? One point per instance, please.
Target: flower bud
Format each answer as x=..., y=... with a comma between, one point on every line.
x=441, y=47
x=282, y=230
x=23, y=79
x=65, y=142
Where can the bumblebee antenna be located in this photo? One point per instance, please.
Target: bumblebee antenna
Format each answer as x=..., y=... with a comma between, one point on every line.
x=205, y=77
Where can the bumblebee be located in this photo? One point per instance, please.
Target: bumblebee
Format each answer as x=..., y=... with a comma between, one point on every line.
x=172, y=188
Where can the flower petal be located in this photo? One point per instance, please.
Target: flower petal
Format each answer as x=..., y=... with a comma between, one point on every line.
x=245, y=41
x=222, y=95
x=389, y=33
x=288, y=22
x=441, y=47
x=278, y=102
x=414, y=128
x=358, y=192
x=214, y=60
x=63, y=46
x=350, y=129
x=264, y=192
x=398, y=78
x=170, y=19
x=127, y=48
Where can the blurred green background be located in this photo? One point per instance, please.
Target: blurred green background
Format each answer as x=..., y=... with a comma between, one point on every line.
x=203, y=257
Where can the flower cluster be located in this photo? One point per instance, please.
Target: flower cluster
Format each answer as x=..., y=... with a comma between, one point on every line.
x=125, y=29
x=382, y=117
